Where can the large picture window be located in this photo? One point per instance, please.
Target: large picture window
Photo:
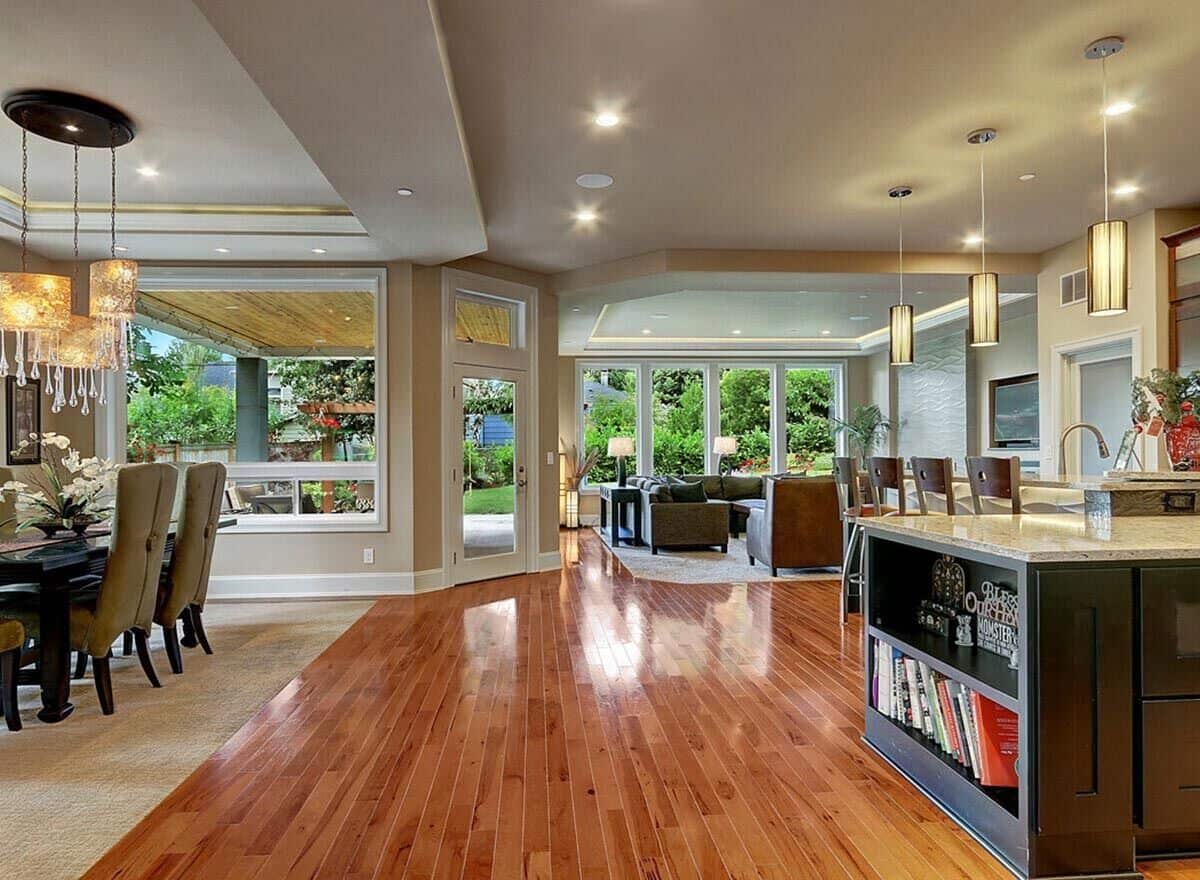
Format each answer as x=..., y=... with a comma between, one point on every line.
x=275, y=377
x=779, y=412
x=609, y=402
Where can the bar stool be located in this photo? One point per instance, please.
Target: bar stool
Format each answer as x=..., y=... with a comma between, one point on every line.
x=934, y=475
x=994, y=478
x=888, y=473
x=846, y=476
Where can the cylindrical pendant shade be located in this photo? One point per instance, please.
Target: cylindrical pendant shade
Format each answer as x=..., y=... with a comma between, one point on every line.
x=902, y=334
x=983, y=308
x=32, y=301
x=81, y=345
x=113, y=289
x=1108, y=268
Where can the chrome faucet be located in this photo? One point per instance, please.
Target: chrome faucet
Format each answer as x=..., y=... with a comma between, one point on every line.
x=1101, y=446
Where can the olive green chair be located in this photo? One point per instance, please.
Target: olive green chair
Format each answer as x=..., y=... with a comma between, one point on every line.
x=12, y=640
x=185, y=582
x=125, y=597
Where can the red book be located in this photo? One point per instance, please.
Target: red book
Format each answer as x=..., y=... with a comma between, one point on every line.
x=998, y=737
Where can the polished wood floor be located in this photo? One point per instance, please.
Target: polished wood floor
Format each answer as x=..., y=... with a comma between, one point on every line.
x=567, y=725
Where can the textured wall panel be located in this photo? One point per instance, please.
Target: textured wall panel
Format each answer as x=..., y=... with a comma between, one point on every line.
x=933, y=399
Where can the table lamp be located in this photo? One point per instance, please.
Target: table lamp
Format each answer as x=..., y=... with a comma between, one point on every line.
x=619, y=448
x=723, y=446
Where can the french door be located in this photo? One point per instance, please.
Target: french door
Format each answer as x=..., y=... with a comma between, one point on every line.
x=488, y=472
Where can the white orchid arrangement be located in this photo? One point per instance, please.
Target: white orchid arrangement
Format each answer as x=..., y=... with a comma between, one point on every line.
x=66, y=489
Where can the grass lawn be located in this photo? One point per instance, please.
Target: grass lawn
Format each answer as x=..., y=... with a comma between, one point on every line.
x=495, y=500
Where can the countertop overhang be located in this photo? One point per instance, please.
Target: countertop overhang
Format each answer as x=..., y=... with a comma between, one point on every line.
x=1037, y=537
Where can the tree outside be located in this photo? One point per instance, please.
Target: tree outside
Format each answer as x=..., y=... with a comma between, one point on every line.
x=678, y=405
x=609, y=410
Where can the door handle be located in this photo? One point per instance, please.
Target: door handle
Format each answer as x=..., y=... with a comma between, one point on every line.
x=521, y=481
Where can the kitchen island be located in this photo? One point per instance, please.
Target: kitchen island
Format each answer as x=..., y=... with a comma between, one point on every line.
x=1105, y=682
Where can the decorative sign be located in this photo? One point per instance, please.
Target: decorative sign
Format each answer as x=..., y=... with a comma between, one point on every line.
x=949, y=586
x=997, y=619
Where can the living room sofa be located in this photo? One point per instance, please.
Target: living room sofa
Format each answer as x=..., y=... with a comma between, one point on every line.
x=671, y=523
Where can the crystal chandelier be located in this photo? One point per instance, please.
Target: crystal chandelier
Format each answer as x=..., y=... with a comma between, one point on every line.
x=73, y=348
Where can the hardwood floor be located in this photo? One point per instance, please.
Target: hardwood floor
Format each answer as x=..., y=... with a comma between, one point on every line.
x=571, y=724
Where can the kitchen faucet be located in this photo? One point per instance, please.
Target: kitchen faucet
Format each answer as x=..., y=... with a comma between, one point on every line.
x=1101, y=446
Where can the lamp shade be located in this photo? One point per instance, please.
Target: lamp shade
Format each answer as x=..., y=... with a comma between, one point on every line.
x=620, y=446
x=983, y=308
x=901, y=334
x=33, y=301
x=113, y=289
x=81, y=345
x=724, y=445
x=1108, y=268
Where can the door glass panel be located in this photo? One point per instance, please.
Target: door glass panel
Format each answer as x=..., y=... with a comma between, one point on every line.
x=678, y=403
x=746, y=415
x=488, y=467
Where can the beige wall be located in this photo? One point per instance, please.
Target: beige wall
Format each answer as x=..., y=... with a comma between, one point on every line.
x=1148, y=313
x=1016, y=355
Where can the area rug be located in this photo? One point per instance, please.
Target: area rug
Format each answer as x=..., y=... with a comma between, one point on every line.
x=73, y=789
x=708, y=566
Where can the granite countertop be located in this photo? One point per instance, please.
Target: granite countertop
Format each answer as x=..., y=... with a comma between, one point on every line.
x=1054, y=537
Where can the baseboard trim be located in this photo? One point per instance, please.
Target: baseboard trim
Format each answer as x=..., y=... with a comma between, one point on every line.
x=589, y=519
x=549, y=561
x=429, y=581
x=351, y=585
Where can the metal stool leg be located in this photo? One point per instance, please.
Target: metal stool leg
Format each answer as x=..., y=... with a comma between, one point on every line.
x=851, y=574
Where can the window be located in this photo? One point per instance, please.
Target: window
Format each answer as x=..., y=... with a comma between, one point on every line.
x=485, y=321
x=746, y=415
x=609, y=403
x=276, y=377
x=808, y=404
x=677, y=404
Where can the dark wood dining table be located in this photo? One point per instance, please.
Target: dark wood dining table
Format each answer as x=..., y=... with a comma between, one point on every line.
x=48, y=566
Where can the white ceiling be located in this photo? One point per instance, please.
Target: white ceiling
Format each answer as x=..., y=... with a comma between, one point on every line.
x=782, y=125
x=772, y=310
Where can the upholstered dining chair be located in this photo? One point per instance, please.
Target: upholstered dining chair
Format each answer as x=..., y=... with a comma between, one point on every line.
x=125, y=597
x=185, y=582
x=12, y=640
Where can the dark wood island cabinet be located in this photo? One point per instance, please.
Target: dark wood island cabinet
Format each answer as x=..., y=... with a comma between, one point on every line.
x=1106, y=684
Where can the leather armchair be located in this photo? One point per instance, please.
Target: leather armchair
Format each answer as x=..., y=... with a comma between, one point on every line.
x=798, y=527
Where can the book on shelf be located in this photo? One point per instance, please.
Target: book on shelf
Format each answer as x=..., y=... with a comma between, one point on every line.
x=975, y=732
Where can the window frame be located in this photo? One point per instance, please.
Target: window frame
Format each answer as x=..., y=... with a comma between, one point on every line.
x=111, y=425
x=711, y=368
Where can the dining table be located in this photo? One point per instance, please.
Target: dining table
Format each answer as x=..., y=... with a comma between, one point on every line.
x=49, y=568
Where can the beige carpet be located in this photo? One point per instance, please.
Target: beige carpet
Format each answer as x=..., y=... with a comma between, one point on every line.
x=708, y=566
x=71, y=790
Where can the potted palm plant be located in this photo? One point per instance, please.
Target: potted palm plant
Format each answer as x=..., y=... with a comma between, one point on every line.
x=65, y=492
x=865, y=428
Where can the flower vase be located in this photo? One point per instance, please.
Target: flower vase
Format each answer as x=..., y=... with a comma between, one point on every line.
x=1183, y=445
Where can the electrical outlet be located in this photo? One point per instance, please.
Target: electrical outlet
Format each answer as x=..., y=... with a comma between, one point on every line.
x=549, y=458
x=369, y=555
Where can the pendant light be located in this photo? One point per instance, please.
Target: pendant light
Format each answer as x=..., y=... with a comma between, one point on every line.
x=901, y=314
x=32, y=304
x=1107, y=241
x=113, y=289
x=983, y=288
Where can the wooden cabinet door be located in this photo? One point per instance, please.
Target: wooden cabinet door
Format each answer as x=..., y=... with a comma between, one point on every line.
x=1171, y=632
x=1084, y=699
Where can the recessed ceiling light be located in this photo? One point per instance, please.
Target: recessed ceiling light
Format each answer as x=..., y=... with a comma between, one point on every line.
x=1027, y=176
x=736, y=332
x=221, y=250
x=973, y=239
x=920, y=293
x=147, y=171
x=318, y=250
x=1119, y=108
x=826, y=332
x=71, y=127
x=594, y=180
x=575, y=308
x=607, y=120
x=232, y=308
x=585, y=216
x=404, y=191
x=660, y=316
x=646, y=331
x=860, y=317
x=320, y=339
x=120, y=249
x=1125, y=189
x=347, y=318
x=863, y=296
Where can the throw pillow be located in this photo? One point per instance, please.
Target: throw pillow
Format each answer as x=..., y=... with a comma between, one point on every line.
x=688, y=492
x=737, y=488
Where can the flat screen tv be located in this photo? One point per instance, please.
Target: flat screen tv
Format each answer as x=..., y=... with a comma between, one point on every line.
x=1014, y=412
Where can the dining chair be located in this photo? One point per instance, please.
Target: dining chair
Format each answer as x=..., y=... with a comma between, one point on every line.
x=12, y=641
x=936, y=476
x=184, y=584
x=994, y=478
x=125, y=598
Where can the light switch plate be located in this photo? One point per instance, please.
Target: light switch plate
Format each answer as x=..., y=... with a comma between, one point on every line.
x=549, y=458
x=368, y=555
